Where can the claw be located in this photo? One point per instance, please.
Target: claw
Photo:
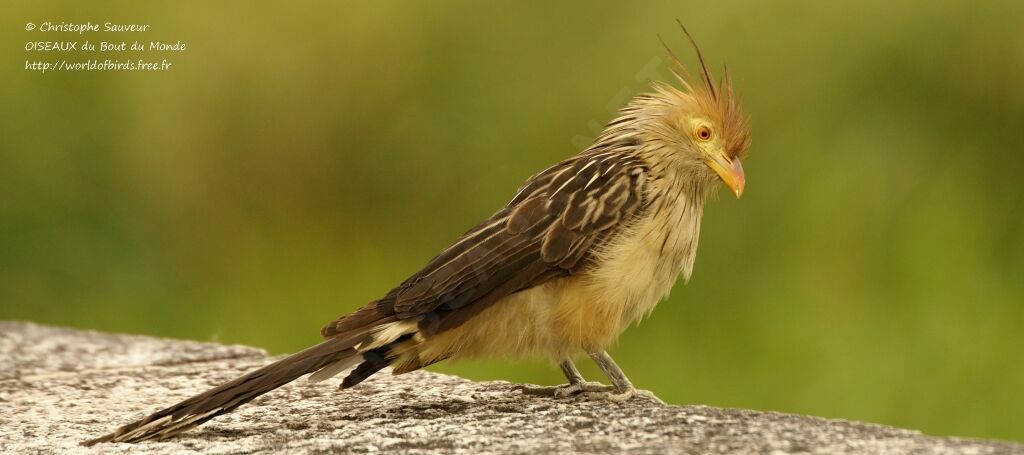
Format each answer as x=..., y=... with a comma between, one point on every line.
x=541, y=391
x=565, y=390
x=620, y=396
x=581, y=387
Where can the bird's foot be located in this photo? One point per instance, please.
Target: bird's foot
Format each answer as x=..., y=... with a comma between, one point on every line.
x=619, y=396
x=566, y=390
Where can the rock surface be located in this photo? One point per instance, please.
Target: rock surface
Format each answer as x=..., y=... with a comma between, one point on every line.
x=59, y=387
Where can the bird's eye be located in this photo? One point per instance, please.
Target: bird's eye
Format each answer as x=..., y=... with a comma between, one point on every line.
x=703, y=133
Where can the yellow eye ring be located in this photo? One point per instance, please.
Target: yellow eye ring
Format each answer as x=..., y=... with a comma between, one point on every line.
x=702, y=133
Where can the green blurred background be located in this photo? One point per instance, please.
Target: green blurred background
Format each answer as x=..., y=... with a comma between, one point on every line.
x=298, y=160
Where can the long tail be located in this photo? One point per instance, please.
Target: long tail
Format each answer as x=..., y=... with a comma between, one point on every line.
x=232, y=394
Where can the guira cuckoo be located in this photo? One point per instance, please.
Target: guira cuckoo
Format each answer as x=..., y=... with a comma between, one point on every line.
x=584, y=248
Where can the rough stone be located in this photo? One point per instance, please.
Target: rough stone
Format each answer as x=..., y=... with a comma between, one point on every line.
x=59, y=387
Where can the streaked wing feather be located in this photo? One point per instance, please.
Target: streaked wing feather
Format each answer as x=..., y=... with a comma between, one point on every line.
x=549, y=229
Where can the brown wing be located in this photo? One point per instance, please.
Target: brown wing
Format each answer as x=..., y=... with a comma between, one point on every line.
x=549, y=229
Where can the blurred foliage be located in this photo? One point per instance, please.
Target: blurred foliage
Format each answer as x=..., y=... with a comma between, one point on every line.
x=300, y=159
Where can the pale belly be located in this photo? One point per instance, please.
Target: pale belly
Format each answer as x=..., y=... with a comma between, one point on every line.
x=580, y=313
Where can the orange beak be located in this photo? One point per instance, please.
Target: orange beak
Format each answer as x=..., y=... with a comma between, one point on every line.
x=731, y=173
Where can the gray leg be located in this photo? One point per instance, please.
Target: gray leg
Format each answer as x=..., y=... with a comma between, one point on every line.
x=612, y=371
x=571, y=373
x=577, y=384
x=623, y=389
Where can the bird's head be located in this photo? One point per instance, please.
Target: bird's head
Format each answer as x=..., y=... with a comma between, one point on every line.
x=699, y=127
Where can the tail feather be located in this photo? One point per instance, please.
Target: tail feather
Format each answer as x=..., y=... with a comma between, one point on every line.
x=373, y=361
x=232, y=394
x=333, y=369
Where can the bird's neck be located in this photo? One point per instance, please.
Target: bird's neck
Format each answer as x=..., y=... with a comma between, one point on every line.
x=673, y=218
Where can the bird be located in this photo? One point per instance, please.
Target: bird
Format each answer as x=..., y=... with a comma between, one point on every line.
x=584, y=249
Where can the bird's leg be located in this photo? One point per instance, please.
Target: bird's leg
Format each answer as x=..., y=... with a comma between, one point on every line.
x=577, y=384
x=622, y=389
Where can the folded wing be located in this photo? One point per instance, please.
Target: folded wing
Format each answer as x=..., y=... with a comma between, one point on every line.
x=551, y=228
